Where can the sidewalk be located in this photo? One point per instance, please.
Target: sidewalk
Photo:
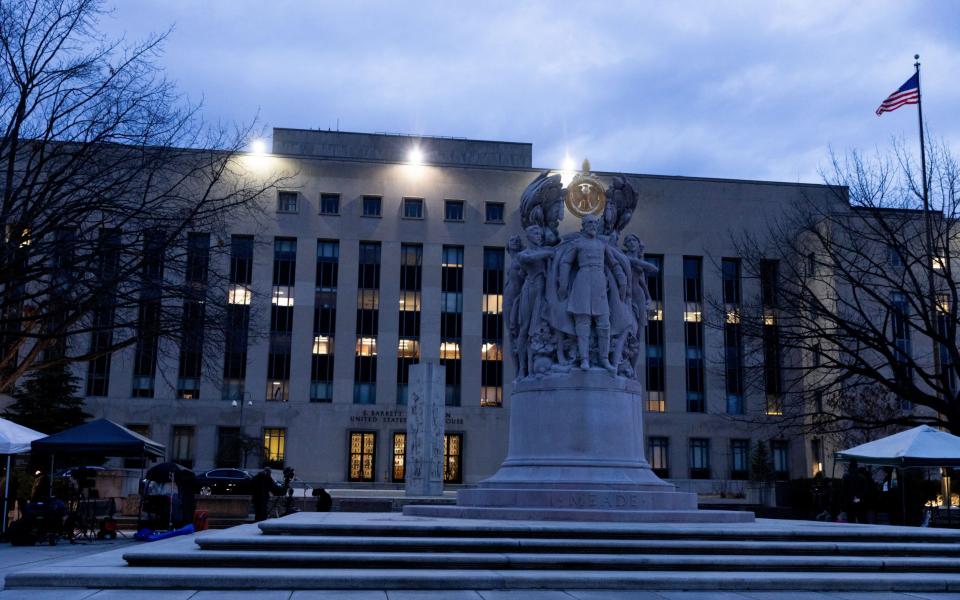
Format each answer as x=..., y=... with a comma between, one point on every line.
x=21, y=558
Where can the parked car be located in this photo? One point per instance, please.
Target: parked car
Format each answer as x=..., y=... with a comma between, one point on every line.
x=226, y=482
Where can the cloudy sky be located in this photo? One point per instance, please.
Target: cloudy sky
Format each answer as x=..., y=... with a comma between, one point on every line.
x=755, y=89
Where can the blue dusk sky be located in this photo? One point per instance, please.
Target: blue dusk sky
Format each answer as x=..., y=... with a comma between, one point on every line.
x=754, y=89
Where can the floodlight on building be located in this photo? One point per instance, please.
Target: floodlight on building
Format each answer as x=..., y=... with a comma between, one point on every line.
x=568, y=170
x=258, y=146
x=415, y=156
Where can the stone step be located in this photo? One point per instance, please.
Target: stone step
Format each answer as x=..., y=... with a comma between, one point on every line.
x=448, y=579
x=545, y=562
x=455, y=528
x=283, y=543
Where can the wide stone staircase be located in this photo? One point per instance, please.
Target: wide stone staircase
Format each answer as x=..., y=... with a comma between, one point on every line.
x=393, y=551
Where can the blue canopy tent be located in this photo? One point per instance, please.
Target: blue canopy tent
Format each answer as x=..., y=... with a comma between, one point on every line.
x=102, y=437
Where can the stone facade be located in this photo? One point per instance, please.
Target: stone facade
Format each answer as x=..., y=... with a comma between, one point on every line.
x=377, y=195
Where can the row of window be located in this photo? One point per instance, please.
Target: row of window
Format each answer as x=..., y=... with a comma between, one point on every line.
x=693, y=330
x=372, y=206
x=362, y=455
x=699, y=463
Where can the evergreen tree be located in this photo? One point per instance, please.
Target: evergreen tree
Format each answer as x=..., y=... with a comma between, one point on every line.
x=48, y=401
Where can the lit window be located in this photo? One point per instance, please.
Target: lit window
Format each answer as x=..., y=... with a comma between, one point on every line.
x=939, y=263
x=656, y=402
x=491, y=351
x=367, y=346
x=449, y=351
x=769, y=318
x=943, y=303
x=274, y=446
x=322, y=344
x=452, y=444
x=238, y=294
x=493, y=304
x=282, y=295
x=733, y=314
x=692, y=312
x=453, y=210
x=362, y=452
x=278, y=390
x=409, y=300
x=413, y=208
x=399, y=456
x=407, y=348
x=491, y=395
x=774, y=405
x=657, y=313
x=368, y=299
x=658, y=451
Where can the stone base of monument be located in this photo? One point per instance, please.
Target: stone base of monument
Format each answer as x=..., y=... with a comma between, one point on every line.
x=576, y=452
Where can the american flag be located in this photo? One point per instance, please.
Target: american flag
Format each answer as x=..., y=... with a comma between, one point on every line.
x=909, y=93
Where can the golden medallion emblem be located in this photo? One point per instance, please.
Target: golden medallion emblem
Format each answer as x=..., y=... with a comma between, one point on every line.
x=585, y=195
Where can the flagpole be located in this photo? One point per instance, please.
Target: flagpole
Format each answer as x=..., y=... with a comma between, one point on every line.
x=926, y=201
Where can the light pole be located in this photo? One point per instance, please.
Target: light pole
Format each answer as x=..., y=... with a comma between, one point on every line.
x=244, y=400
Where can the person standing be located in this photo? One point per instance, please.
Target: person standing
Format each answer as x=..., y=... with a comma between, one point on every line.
x=261, y=487
x=854, y=493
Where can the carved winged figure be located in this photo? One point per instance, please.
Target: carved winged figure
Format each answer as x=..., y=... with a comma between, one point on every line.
x=542, y=205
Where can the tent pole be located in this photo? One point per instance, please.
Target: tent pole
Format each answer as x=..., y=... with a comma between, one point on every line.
x=6, y=496
x=903, y=497
x=50, y=476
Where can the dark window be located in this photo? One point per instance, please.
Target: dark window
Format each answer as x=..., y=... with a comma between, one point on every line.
x=769, y=282
x=229, y=447
x=453, y=210
x=731, y=280
x=181, y=446
x=780, y=456
x=692, y=279
x=329, y=204
x=699, y=458
x=287, y=202
x=693, y=332
x=739, y=459
x=495, y=212
x=413, y=208
x=372, y=206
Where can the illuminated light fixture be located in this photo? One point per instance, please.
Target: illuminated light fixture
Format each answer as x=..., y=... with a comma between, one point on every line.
x=258, y=146
x=568, y=171
x=415, y=156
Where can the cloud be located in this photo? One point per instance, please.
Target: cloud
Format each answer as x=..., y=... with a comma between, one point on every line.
x=744, y=90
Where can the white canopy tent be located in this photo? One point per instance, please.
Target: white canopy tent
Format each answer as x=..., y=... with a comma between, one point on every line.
x=921, y=446
x=14, y=439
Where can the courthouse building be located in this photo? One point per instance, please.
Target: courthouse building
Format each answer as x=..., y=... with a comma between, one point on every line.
x=366, y=262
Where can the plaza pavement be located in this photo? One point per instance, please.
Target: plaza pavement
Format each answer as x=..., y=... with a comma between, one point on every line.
x=13, y=559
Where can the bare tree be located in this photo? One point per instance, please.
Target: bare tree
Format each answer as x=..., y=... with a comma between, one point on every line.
x=114, y=196
x=855, y=325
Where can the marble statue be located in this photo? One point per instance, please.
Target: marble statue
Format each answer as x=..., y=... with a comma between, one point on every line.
x=576, y=300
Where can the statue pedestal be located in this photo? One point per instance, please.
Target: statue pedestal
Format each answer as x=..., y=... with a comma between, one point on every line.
x=576, y=451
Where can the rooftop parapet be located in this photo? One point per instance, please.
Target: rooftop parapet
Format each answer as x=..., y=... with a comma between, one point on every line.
x=396, y=148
